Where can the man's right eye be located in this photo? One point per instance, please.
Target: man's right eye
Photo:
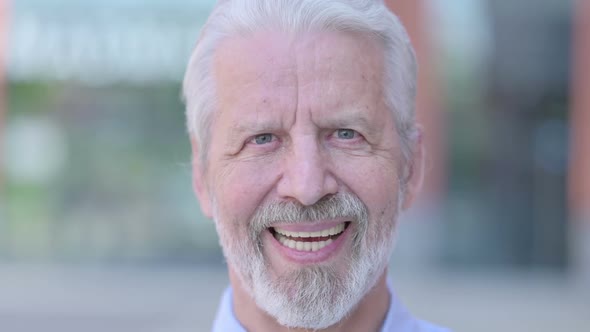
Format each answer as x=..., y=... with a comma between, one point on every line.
x=263, y=139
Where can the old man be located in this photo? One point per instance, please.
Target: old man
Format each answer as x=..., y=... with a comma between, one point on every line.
x=305, y=150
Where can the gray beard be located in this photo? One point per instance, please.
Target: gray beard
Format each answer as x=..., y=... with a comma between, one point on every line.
x=314, y=297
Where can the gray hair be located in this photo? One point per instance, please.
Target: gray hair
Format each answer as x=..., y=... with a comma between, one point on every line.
x=244, y=17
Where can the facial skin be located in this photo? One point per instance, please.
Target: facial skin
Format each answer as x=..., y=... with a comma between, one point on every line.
x=299, y=120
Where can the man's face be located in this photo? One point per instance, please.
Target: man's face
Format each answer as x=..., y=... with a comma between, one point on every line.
x=302, y=172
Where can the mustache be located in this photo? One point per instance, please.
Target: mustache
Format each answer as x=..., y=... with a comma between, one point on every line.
x=339, y=205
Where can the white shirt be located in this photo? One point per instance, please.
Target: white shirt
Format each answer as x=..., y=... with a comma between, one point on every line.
x=398, y=319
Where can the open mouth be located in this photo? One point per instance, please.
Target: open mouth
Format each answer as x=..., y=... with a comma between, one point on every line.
x=308, y=241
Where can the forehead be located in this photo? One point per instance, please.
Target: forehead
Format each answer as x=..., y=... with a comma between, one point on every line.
x=265, y=61
x=270, y=82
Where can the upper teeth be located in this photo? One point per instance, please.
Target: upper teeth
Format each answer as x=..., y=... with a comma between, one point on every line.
x=326, y=232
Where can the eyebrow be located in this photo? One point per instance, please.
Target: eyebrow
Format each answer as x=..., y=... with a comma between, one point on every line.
x=354, y=118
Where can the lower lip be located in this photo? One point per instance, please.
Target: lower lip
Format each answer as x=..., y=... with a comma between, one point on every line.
x=307, y=257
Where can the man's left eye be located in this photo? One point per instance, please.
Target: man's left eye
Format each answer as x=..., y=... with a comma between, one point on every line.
x=346, y=133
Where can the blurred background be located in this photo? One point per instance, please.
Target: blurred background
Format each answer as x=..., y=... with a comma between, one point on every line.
x=100, y=231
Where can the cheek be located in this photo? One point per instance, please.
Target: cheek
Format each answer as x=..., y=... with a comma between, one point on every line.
x=371, y=180
x=375, y=183
x=240, y=190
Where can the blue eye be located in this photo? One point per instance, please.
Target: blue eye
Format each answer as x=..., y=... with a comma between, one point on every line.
x=263, y=139
x=346, y=133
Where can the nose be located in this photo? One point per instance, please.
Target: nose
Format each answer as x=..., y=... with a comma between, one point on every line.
x=306, y=176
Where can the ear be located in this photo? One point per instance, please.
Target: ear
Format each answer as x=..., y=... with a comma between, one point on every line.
x=199, y=180
x=414, y=171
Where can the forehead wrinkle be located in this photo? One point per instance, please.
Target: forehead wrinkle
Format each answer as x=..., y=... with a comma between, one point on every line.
x=250, y=68
x=306, y=77
x=331, y=90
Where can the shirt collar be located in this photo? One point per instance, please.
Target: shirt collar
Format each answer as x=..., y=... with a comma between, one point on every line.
x=226, y=321
x=397, y=319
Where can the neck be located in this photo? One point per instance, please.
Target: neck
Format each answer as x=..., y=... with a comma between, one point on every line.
x=368, y=315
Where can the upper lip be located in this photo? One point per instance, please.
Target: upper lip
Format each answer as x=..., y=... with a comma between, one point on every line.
x=309, y=226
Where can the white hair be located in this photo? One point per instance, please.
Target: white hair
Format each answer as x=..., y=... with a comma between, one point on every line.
x=369, y=18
